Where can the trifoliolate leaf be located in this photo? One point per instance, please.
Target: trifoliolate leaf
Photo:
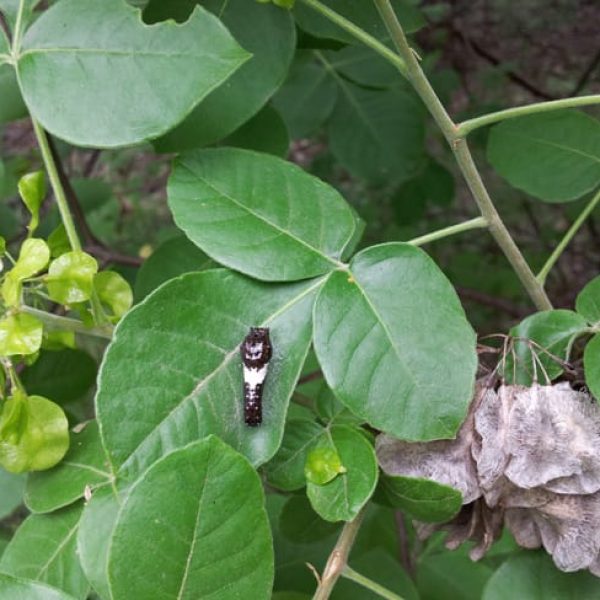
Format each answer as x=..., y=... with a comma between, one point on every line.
x=195, y=534
x=532, y=575
x=119, y=61
x=259, y=214
x=554, y=156
x=173, y=372
x=286, y=469
x=394, y=344
x=342, y=498
x=33, y=433
x=71, y=277
x=377, y=135
x=44, y=549
x=83, y=468
x=422, y=499
x=268, y=33
x=588, y=301
x=591, y=365
x=26, y=589
x=542, y=342
x=174, y=257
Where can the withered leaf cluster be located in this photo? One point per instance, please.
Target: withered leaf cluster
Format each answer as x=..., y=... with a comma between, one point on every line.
x=527, y=458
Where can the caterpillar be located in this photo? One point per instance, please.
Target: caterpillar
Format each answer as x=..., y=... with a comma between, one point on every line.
x=256, y=351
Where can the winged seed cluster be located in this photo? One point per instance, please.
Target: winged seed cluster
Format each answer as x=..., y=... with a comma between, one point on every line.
x=527, y=458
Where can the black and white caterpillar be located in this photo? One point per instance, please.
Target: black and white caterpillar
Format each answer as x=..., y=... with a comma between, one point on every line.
x=256, y=353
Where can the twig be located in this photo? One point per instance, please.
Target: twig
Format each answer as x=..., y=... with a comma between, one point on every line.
x=338, y=557
x=369, y=584
x=310, y=377
x=586, y=74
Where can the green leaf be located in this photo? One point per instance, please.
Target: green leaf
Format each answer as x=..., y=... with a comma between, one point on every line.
x=12, y=106
x=187, y=509
x=99, y=58
x=331, y=410
x=94, y=536
x=342, y=498
x=84, y=466
x=11, y=494
x=264, y=132
x=286, y=469
x=58, y=241
x=307, y=97
x=544, y=337
x=362, y=14
x=71, y=277
x=10, y=8
x=532, y=575
x=363, y=66
x=591, y=365
x=323, y=463
x=554, y=156
x=259, y=214
x=443, y=575
x=44, y=549
x=64, y=376
x=20, y=333
x=34, y=433
x=588, y=301
x=32, y=189
x=300, y=524
x=114, y=292
x=423, y=499
x=174, y=369
x=23, y=589
x=33, y=257
x=174, y=257
x=269, y=34
x=394, y=344
x=377, y=135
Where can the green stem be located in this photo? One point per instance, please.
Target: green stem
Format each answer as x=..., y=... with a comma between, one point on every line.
x=338, y=557
x=560, y=248
x=57, y=188
x=464, y=159
x=476, y=223
x=359, y=34
x=369, y=584
x=466, y=127
x=57, y=322
x=18, y=33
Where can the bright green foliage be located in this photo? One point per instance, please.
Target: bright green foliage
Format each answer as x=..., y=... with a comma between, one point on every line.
x=268, y=33
x=32, y=188
x=20, y=333
x=173, y=515
x=175, y=396
x=114, y=292
x=422, y=499
x=346, y=494
x=542, y=343
x=33, y=258
x=554, y=156
x=71, y=277
x=117, y=64
x=259, y=214
x=323, y=463
x=44, y=549
x=34, y=433
x=83, y=466
x=401, y=354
